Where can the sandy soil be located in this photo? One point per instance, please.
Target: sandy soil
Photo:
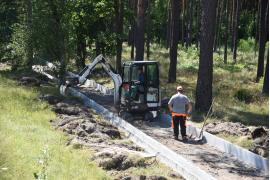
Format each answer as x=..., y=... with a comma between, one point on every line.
x=219, y=164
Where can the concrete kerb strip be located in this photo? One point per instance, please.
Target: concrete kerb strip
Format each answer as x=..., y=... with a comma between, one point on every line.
x=186, y=168
x=240, y=153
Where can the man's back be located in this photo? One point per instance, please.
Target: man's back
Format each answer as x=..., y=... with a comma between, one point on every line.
x=179, y=102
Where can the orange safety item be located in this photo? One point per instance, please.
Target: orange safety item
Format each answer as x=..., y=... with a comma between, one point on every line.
x=177, y=114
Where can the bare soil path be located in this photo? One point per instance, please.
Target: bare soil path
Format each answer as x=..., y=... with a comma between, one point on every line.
x=219, y=164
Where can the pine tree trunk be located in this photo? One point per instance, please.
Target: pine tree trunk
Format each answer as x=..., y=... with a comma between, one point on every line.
x=266, y=77
x=256, y=19
x=183, y=22
x=140, y=28
x=81, y=50
x=148, y=33
x=217, y=25
x=257, y=26
x=175, y=6
x=168, y=25
x=205, y=73
x=119, y=7
x=235, y=28
x=226, y=32
x=189, y=23
x=133, y=7
x=198, y=23
x=231, y=23
x=262, y=39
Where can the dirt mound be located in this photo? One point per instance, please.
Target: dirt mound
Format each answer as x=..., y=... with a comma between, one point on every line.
x=114, y=160
x=260, y=145
x=236, y=129
x=51, y=99
x=70, y=108
x=29, y=81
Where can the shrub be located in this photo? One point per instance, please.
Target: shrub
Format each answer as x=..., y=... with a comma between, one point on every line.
x=244, y=95
x=246, y=45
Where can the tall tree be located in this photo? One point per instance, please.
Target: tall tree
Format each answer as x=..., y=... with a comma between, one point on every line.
x=205, y=73
x=139, y=40
x=169, y=19
x=183, y=22
x=262, y=38
x=174, y=37
x=236, y=9
x=219, y=3
x=131, y=33
x=266, y=77
x=148, y=30
x=81, y=49
x=119, y=8
x=198, y=14
x=226, y=31
x=189, y=22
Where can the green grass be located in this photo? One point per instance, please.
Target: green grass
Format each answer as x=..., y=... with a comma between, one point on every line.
x=25, y=133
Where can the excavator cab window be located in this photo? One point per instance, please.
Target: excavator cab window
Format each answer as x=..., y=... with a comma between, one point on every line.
x=126, y=71
x=152, y=75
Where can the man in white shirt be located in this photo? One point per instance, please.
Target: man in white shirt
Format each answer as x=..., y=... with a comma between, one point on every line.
x=180, y=107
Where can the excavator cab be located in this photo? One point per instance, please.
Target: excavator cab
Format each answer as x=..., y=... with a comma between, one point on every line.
x=139, y=91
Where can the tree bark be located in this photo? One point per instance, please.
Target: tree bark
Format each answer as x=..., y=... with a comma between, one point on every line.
x=205, y=73
x=168, y=25
x=198, y=23
x=81, y=50
x=133, y=7
x=189, y=22
x=217, y=24
x=266, y=77
x=183, y=22
x=231, y=23
x=148, y=33
x=235, y=28
x=139, y=40
x=175, y=14
x=119, y=7
x=226, y=32
x=262, y=38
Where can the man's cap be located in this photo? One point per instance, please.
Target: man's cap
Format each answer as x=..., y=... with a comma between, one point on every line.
x=179, y=88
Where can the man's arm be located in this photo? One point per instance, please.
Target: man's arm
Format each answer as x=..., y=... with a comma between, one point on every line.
x=170, y=104
x=189, y=108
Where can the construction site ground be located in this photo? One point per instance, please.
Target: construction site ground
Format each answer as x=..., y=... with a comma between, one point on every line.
x=219, y=164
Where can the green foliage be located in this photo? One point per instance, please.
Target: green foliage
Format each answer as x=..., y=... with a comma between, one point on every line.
x=8, y=16
x=18, y=44
x=247, y=45
x=244, y=95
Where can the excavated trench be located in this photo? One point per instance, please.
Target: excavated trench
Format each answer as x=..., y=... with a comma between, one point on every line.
x=218, y=164
x=214, y=162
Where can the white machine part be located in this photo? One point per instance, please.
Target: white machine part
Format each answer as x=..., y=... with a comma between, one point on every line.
x=117, y=80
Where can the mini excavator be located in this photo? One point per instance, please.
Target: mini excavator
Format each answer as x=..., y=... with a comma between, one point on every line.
x=136, y=90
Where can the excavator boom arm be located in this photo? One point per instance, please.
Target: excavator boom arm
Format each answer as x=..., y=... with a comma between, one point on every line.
x=117, y=80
